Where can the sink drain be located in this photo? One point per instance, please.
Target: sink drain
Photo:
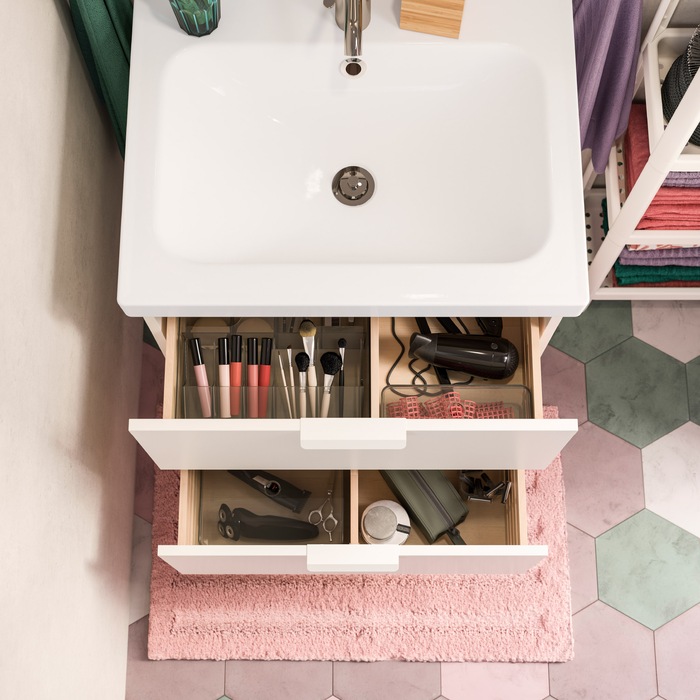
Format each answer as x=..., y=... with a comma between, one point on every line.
x=353, y=186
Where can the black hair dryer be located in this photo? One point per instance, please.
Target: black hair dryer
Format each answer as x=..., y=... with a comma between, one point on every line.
x=480, y=355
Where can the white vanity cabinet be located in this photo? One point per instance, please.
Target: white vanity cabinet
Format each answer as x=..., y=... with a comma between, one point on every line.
x=359, y=446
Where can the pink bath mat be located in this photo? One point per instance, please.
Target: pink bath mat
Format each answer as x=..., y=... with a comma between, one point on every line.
x=524, y=617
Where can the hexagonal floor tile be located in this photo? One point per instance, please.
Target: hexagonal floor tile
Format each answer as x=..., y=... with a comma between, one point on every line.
x=693, y=375
x=584, y=579
x=670, y=326
x=672, y=477
x=677, y=656
x=603, y=479
x=279, y=680
x=494, y=681
x=564, y=384
x=386, y=679
x=614, y=659
x=600, y=327
x=649, y=569
x=174, y=680
x=637, y=392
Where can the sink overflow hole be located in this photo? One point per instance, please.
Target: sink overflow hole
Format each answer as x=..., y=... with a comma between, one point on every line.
x=353, y=185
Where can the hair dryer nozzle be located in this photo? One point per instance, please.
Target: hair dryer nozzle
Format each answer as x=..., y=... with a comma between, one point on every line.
x=480, y=355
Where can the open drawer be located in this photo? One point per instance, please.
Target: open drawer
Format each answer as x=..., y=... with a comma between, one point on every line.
x=359, y=443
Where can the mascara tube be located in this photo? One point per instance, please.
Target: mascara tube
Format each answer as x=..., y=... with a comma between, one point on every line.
x=235, y=372
x=200, y=373
x=224, y=380
x=252, y=377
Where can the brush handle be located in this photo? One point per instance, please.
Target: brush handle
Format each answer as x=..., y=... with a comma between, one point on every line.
x=341, y=392
x=286, y=389
x=302, y=402
x=325, y=403
x=313, y=383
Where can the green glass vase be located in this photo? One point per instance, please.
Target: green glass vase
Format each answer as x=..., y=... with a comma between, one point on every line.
x=197, y=17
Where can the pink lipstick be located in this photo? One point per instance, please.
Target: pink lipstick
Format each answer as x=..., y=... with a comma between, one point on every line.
x=235, y=373
x=252, y=375
x=224, y=380
x=200, y=373
x=264, y=375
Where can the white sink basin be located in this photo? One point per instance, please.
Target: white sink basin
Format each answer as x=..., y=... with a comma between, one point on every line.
x=234, y=140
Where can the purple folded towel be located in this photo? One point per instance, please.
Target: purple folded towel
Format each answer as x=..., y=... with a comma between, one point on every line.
x=686, y=257
x=607, y=36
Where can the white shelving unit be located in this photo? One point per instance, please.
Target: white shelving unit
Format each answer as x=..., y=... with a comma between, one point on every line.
x=669, y=151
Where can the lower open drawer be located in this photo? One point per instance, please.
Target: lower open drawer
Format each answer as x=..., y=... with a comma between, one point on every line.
x=495, y=532
x=375, y=436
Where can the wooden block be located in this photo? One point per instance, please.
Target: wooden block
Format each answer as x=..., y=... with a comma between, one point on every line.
x=441, y=17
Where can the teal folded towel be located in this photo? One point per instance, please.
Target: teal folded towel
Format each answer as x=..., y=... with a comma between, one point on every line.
x=103, y=30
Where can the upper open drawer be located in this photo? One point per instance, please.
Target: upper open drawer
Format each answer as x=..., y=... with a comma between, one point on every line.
x=362, y=438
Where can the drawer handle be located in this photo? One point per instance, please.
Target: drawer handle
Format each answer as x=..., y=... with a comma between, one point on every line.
x=352, y=558
x=353, y=434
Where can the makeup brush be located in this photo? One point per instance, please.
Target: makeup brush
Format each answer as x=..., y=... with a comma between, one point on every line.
x=291, y=380
x=302, y=362
x=331, y=363
x=342, y=344
x=307, y=331
x=284, y=384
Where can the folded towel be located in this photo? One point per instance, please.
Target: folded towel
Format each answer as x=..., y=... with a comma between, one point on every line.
x=607, y=36
x=672, y=207
x=686, y=257
x=103, y=31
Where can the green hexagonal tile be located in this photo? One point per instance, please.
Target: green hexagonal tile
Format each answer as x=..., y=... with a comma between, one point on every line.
x=637, y=392
x=693, y=371
x=649, y=569
x=603, y=325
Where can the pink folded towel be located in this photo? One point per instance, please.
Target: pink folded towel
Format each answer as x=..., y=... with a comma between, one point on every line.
x=672, y=207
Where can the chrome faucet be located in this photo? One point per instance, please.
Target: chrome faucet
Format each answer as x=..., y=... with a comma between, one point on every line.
x=352, y=16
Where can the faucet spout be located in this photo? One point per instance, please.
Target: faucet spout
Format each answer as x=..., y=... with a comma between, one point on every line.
x=353, y=16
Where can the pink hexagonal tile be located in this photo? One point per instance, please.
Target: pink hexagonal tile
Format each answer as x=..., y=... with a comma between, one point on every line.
x=386, y=679
x=495, y=681
x=613, y=658
x=168, y=680
x=564, y=384
x=584, y=580
x=677, y=656
x=671, y=467
x=603, y=479
x=670, y=326
x=279, y=680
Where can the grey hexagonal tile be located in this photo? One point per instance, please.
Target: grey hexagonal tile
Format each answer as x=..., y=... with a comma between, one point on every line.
x=670, y=326
x=693, y=375
x=672, y=477
x=649, y=569
x=600, y=327
x=677, y=656
x=386, y=679
x=279, y=680
x=637, y=392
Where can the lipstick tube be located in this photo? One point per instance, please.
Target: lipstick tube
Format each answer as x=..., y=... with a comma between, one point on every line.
x=235, y=372
x=252, y=377
x=224, y=380
x=200, y=373
x=264, y=376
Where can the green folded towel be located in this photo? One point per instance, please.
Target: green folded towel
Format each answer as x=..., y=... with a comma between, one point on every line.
x=103, y=30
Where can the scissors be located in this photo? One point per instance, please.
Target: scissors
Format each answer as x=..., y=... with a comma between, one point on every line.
x=327, y=522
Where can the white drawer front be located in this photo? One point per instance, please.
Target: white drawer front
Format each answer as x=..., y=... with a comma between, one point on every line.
x=358, y=558
x=352, y=443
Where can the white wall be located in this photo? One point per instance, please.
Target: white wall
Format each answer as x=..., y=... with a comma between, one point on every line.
x=69, y=368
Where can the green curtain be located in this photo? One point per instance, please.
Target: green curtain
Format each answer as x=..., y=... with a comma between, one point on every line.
x=103, y=30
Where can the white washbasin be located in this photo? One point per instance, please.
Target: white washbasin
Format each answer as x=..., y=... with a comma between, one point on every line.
x=233, y=141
